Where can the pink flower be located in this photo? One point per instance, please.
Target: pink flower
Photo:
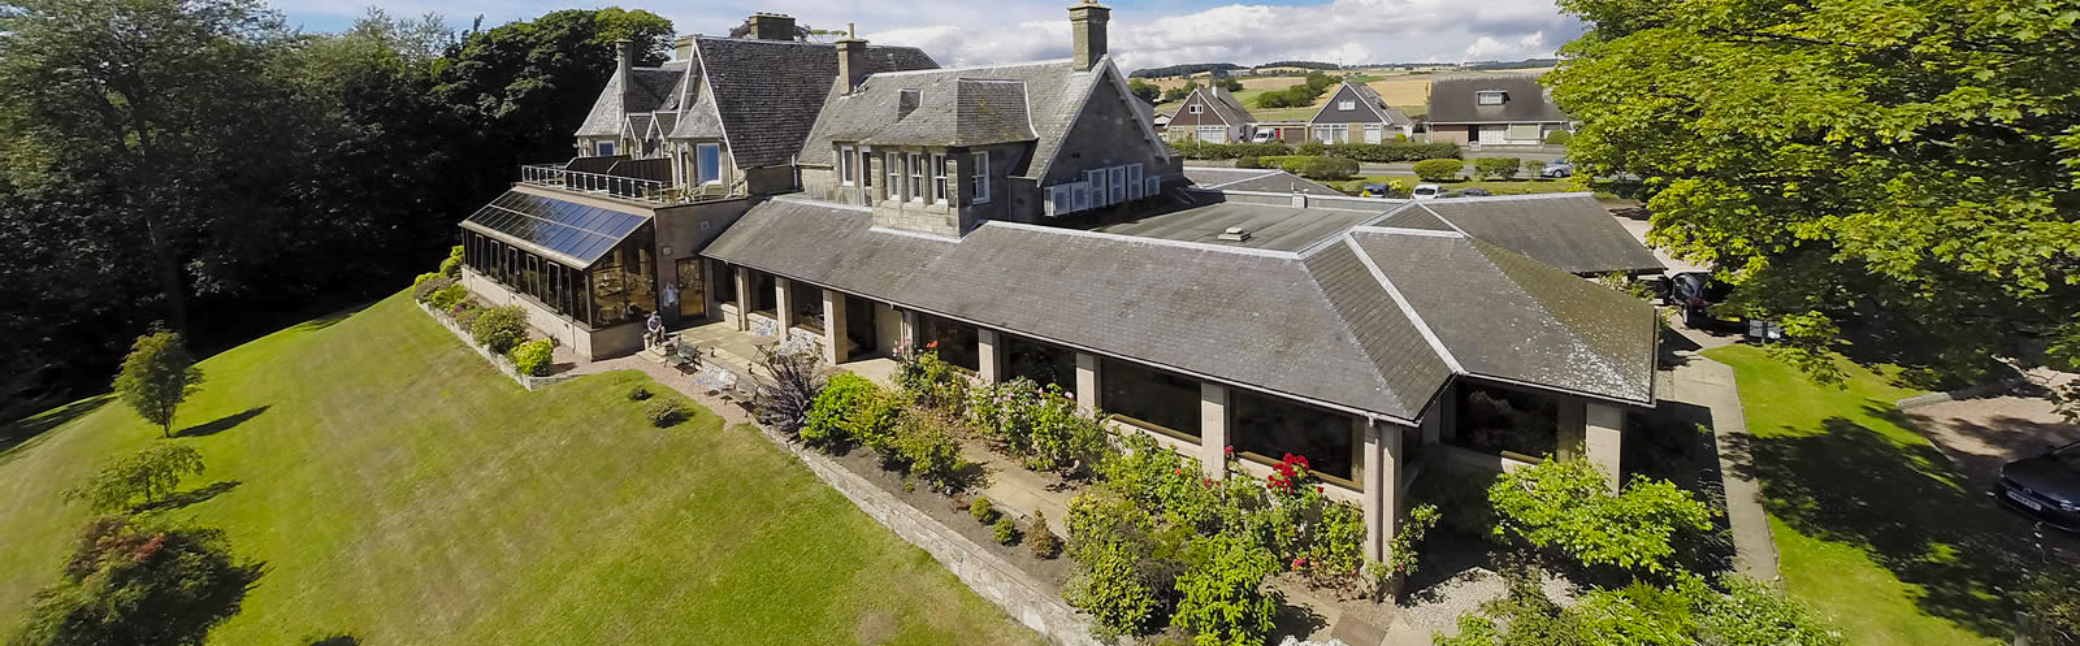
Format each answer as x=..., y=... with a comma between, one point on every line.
x=933, y=344
x=1231, y=451
x=1299, y=562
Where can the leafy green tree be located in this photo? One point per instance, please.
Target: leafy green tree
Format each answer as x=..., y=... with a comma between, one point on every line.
x=1180, y=92
x=1228, y=83
x=148, y=475
x=1906, y=163
x=1566, y=506
x=1145, y=90
x=126, y=584
x=158, y=375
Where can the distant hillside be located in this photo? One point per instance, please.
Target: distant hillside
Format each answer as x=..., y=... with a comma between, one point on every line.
x=1187, y=69
x=1312, y=65
x=1529, y=63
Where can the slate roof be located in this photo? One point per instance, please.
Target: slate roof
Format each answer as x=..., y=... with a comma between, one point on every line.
x=1054, y=91
x=654, y=87
x=1325, y=324
x=1392, y=115
x=1504, y=316
x=1276, y=227
x=1569, y=231
x=1260, y=180
x=1452, y=100
x=950, y=110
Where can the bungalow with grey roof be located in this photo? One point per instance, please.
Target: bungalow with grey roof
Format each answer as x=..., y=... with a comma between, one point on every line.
x=1493, y=110
x=1027, y=219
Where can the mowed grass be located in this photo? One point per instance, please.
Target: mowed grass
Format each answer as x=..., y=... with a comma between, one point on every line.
x=401, y=492
x=1877, y=529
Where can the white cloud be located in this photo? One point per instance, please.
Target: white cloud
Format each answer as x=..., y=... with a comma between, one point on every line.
x=1152, y=33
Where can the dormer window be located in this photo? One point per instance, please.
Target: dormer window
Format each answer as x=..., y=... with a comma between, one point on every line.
x=1490, y=97
x=605, y=148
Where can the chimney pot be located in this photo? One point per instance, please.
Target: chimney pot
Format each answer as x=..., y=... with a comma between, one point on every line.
x=1087, y=23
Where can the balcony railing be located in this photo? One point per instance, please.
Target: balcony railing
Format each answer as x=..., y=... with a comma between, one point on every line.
x=637, y=189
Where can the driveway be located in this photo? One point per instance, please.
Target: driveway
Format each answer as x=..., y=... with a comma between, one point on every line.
x=1981, y=434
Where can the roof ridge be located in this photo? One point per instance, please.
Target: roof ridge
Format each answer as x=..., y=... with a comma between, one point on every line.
x=1343, y=327
x=937, y=70
x=1483, y=248
x=1120, y=237
x=1441, y=218
x=1408, y=310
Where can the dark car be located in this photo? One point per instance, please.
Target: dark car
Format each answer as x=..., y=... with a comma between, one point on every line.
x=1696, y=292
x=2046, y=487
x=1473, y=192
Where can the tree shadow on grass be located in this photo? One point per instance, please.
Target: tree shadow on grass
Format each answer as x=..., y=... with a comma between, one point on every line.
x=195, y=496
x=333, y=640
x=20, y=432
x=222, y=424
x=1907, y=507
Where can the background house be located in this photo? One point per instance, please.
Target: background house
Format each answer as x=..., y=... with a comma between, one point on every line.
x=1357, y=114
x=1210, y=114
x=1493, y=110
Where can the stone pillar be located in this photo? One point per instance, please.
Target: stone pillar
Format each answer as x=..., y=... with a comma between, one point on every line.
x=1382, y=482
x=1604, y=429
x=836, y=348
x=742, y=277
x=906, y=330
x=989, y=353
x=1213, y=429
x=783, y=305
x=1087, y=382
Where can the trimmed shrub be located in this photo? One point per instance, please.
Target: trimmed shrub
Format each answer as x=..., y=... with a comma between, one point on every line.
x=1398, y=151
x=500, y=328
x=1222, y=601
x=534, y=357
x=448, y=297
x=1559, y=137
x=1006, y=530
x=1328, y=169
x=928, y=447
x=981, y=510
x=663, y=412
x=1312, y=149
x=639, y=392
x=1041, y=539
x=851, y=409
x=424, y=287
x=1533, y=167
x=466, y=313
x=1195, y=149
x=1439, y=170
x=1497, y=167
x=1249, y=162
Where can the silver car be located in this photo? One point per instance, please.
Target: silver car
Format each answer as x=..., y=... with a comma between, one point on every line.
x=1558, y=168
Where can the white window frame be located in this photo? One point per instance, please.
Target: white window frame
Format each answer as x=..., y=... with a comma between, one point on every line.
x=700, y=170
x=1482, y=97
x=893, y=161
x=1346, y=105
x=866, y=168
x=939, y=178
x=847, y=165
x=980, y=176
x=916, y=168
x=1117, y=183
x=603, y=149
x=1194, y=109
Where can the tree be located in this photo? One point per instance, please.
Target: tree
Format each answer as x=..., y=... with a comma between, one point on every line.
x=158, y=375
x=1908, y=163
x=126, y=584
x=1566, y=506
x=1228, y=83
x=1179, y=93
x=150, y=475
x=1145, y=91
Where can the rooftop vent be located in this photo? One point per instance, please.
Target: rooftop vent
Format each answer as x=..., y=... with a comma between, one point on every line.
x=1234, y=234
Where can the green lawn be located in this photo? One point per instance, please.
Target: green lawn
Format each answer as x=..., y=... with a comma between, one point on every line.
x=1876, y=528
x=401, y=492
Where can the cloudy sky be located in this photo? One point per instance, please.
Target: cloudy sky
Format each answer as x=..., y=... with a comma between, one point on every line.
x=1144, y=33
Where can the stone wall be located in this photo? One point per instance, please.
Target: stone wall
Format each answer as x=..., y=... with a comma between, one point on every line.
x=504, y=365
x=1026, y=599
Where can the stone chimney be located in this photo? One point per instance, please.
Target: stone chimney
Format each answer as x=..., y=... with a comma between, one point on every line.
x=772, y=26
x=624, y=72
x=852, y=59
x=682, y=49
x=1087, y=22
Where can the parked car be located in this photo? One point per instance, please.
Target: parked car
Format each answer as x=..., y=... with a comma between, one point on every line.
x=1696, y=292
x=1262, y=137
x=2047, y=487
x=1473, y=192
x=1557, y=168
x=1426, y=192
x=1374, y=190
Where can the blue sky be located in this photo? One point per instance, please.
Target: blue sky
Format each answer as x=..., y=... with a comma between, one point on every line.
x=1144, y=33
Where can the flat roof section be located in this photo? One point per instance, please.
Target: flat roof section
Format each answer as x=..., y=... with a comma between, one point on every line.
x=1271, y=228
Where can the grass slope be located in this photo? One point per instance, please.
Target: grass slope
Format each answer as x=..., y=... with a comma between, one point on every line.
x=402, y=492
x=1877, y=528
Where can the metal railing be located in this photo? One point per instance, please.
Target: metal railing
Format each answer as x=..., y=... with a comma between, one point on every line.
x=648, y=191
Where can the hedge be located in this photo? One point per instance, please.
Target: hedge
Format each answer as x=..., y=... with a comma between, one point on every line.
x=1439, y=170
x=1202, y=150
x=1393, y=151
